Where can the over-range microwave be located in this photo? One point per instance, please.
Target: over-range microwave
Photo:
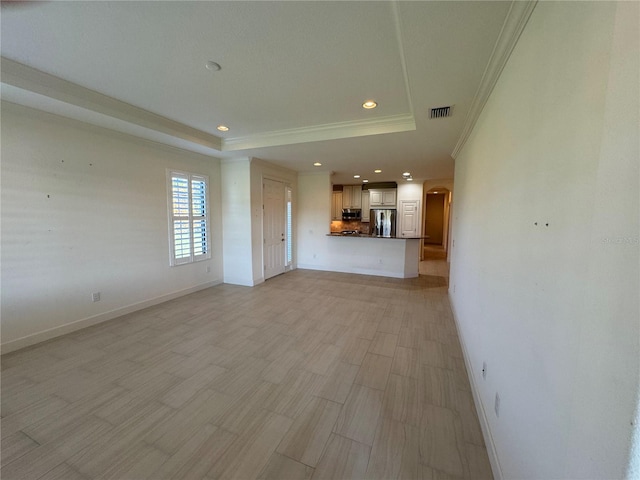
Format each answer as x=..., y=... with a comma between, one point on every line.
x=351, y=214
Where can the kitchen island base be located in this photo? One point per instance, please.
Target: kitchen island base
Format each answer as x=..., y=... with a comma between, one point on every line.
x=386, y=257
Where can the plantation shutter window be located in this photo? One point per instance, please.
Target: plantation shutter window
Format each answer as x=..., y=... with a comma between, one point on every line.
x=188, y=217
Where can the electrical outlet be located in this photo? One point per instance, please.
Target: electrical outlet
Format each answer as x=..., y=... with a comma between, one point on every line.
x=380, y=261
x=95, y=296
x=496, y=405
x=208, y=269
x=315, y=256
x=484, y=370
x=454, y=288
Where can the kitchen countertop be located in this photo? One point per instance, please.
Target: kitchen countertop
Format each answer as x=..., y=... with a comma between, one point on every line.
x=338, y=234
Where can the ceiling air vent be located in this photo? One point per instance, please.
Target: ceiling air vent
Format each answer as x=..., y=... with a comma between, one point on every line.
x=441, y=112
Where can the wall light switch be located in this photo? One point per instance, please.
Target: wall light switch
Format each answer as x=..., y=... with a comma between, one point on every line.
x=95, y=296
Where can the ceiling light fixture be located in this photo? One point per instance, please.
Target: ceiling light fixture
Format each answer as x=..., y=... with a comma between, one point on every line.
x=406, y=174
x=356, y=176
x=223, y=128
x=377, y=170
x=369, y=104
x=365, y=181
x=317, y=164
x=213, y=66
x=409, y=179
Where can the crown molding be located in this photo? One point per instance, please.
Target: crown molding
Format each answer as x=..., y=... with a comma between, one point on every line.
x=330, y=131
x=395, y=8
x=36, y=81
x=514, y=24
x=41, y=84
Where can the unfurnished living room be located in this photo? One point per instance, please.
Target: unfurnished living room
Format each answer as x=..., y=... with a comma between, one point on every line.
x=320, y=240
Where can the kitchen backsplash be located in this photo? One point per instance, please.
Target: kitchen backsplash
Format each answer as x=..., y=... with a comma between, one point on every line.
x=339, y=226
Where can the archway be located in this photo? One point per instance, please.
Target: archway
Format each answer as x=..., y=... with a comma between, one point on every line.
x=436, y=223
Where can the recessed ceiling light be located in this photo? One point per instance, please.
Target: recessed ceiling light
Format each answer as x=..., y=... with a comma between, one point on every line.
x=223, y=128
x=365, y=181
x=409, y=179
x=317, y=164
x=377, y=170
x=406, y=174
x=369, y=104
x=213, y=66
x=356, y=176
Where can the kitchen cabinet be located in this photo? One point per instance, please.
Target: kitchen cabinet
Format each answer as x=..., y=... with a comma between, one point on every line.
x=365, y=206
x=336, y=206
x=352, y=196
x=382, y=198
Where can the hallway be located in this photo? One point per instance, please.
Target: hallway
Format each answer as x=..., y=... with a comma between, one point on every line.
x=435, y=263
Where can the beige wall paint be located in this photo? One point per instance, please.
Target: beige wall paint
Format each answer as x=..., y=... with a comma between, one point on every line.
x=553, y=310
x=434, y=218
x=448, y=184
x=84, y=210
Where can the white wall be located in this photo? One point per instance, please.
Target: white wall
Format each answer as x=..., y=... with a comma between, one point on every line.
x=85, y=210
x=410, y=191
x=314, y=219
x=237, y=215
x=242, y=211
x=553, y=310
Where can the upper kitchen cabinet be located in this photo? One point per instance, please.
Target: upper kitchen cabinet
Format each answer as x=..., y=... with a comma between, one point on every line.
x=382, y=198
x=352, y=196
x=336, y=206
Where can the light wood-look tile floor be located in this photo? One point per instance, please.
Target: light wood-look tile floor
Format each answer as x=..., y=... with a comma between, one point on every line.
x=311, y=375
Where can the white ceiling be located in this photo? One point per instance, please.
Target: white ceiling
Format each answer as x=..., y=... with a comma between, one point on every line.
x=293, y=78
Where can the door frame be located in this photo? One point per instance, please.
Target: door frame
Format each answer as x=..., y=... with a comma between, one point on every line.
x=286, y=185
x=446, y=224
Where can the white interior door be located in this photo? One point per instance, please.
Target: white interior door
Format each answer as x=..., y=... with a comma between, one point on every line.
x=409, y=220
x=274, y=228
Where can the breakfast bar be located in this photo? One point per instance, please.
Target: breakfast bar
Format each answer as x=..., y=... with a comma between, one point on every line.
x=395, y=257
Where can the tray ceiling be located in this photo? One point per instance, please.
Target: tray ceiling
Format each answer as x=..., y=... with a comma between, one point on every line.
x=293, y=78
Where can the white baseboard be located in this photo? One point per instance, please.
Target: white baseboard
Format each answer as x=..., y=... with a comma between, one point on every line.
x=482, y=417
x=54, y=332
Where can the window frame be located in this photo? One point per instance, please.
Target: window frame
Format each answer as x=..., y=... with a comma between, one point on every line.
x=190, y=217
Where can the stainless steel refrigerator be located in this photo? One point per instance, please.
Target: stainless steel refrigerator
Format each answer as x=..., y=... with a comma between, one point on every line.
x=383, y=222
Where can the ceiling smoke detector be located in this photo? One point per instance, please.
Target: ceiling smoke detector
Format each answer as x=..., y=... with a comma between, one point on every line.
x=441, y=112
